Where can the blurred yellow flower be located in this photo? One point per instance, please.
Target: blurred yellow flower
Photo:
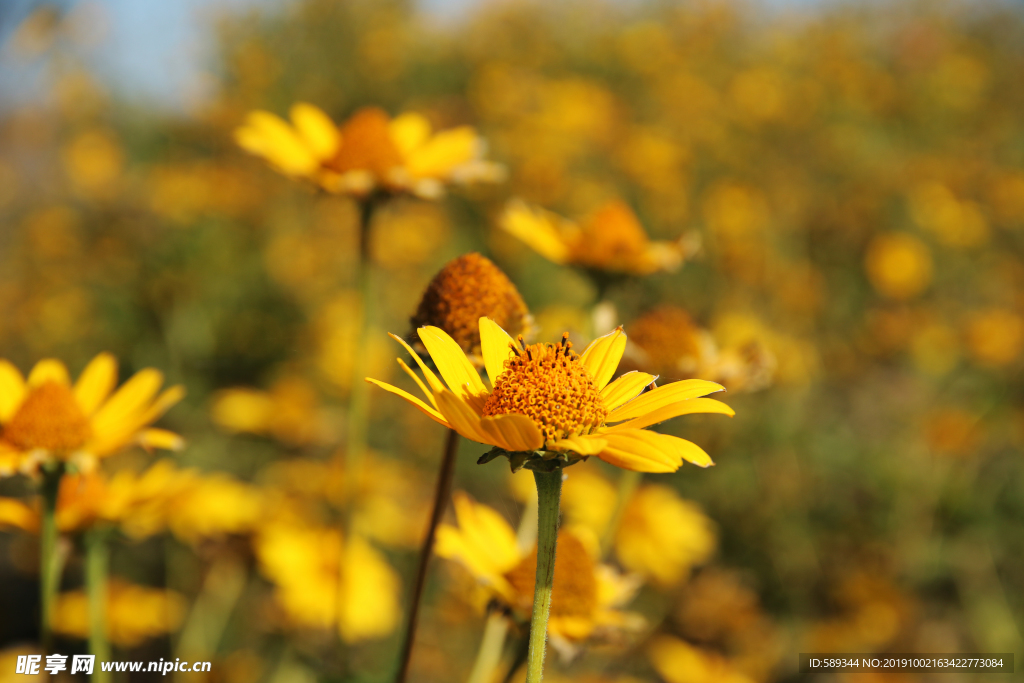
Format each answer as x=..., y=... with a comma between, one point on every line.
x=466, y=289
x=133, y=613
x=93, y=161
x=898, y=265
x=290, y=412
x=662, y=536
x=995, y=337
x=955, y=223
x=546, y=396
x=585, y=594
x=310, y=565
x=370, y=151
x=610, y=239
x=680, y=662
x=667, y=340
x=46, y=418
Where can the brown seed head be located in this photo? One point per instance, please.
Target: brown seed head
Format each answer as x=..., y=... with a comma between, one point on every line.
x=467, y=289
x=549, y=384
x=366, y=144
x=49, y=419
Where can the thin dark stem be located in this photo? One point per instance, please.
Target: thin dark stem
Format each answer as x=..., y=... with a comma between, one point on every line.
x=441, y=495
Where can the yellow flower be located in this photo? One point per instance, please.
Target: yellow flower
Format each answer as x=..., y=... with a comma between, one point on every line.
x=662, y=536
x=310, y=565
x=371, y=151
x=46, y=417
x=548, y=397
x=585, y=594
x=134, y=613
x=289, y=411
x=898, y=265
x=610, y=239
x=679, y=662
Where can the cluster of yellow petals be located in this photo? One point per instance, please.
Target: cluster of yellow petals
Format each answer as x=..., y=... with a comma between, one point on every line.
x=464, y=403
x=46, y=417
x=371, y=151
x=585, y=597
x=610, y=239
x=133, y=613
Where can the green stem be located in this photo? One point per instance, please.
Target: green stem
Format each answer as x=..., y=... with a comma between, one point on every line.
x=442, y=493
x=549, y=493
x=49, y=560
x=628, y=483
x=97, y=566
x=488, y=656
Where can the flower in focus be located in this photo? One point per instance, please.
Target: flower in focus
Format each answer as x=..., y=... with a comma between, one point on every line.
x=371, y=151
x=667, y=340
x=585, y=596
x=546, y=396
x=316, y=575
x=609, y=239
x=466, y=289
x=46, y=418
x=133, y=614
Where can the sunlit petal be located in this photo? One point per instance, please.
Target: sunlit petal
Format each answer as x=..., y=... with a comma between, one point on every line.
x=662, y=396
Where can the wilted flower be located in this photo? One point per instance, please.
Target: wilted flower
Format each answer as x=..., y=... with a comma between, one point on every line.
x=610, y=239
x=466, y=289
x=585, y=595
x=133, y=613
x=45, y=418
x=548, y=397
x=368, y=152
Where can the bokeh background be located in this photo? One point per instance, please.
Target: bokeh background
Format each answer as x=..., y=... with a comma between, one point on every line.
x=854, y=173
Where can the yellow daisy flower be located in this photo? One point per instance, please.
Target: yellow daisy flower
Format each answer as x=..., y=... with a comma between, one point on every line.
x=134, y=614
x=609, y=239
x=46, y=418
x=371, y=151
x=546, y=397
x=586, y=595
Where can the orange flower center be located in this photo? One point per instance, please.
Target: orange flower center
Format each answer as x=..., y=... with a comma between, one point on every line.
x=610, y=234
x=549, y=384
x=366, y=144
x=465, y=290
x=49, y=419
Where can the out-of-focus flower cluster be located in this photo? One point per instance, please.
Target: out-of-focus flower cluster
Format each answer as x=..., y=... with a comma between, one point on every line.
x=822, y=212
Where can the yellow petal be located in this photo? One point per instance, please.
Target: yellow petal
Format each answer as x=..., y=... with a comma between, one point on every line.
x=432, y=380
x=496, y=347
x=416, y=378
x=688, y=407
x=14, y=513
x=642, y=450
x=12, y=390
x=269, y=136
x=443, y=153
x=49, y=370
x=96, y=382
x=160, y=438
x=408, y=132
x=128, y=403
x=458, y=373
x=519, y=432
x=625, y=388
x=537, y=229
x=603, y=355
x=662, y=396
x=427, y=410
x=584, y=445
x=465, y=421
x=316, y=129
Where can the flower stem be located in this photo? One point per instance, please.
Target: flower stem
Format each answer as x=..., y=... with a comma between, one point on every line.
x=49, y=560
x=441, y=495
x=549, y=493
x=488, y=656
x=97, y=564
